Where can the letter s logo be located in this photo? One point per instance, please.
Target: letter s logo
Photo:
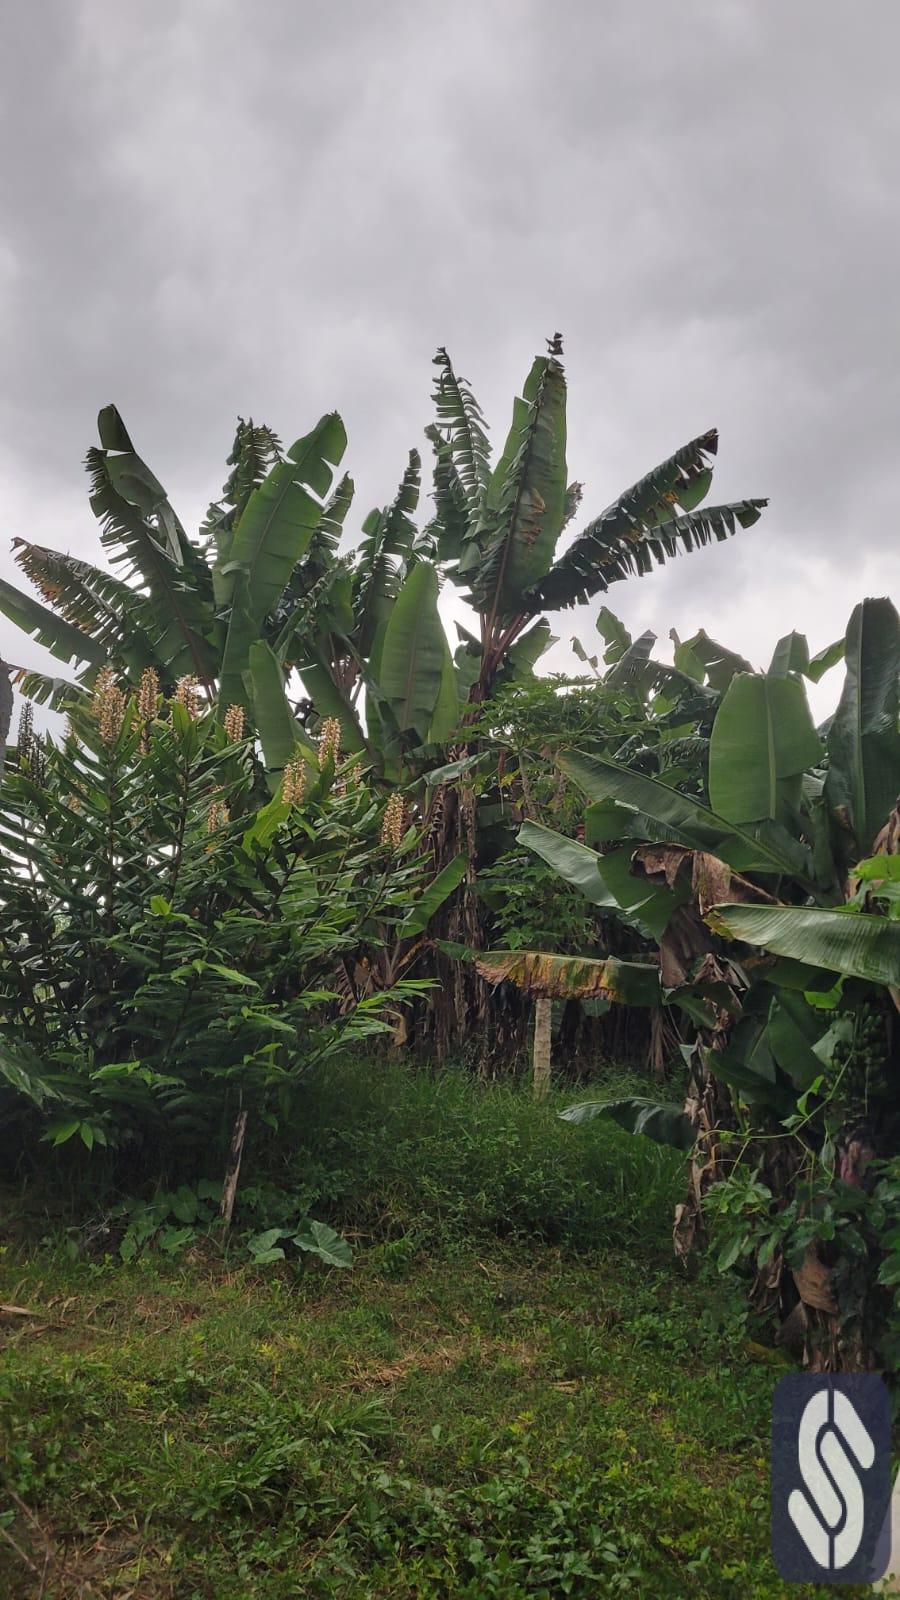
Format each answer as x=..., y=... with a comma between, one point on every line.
x=830, y=1517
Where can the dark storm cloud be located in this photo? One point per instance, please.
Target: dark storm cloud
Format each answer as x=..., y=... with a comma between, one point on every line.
x=210, y=207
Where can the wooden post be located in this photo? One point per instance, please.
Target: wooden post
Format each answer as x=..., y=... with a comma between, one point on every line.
x=543, y=1017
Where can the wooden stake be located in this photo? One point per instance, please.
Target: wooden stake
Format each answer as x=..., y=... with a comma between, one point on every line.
x=233, y=1168
x=543, y=1017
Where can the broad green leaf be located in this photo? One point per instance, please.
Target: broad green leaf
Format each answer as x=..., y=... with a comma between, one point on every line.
x=265, y=825
x=526, y=652
x=264, y=1247
x=857, y=943
x=61, y=638
x=864, y=740
x=22, y=1070
x=142, y=534
x=461, y=423
x=679, y=818
x=433, y=897
x=452, y=770
x=606, y=820
x=664, y=1123
x=60, y=1132
x=791, y=654
x=319, y=1240
x=581, y=653
x=574, y=862
x=330, y=701
x=719, y=664
x=645, y=906
x=230, y=974
x=242, y=633
x=763, y=735
x=615, y=635
x=641, y=528
x=389, y=537
x=527, y=495
x=793, y=1029
x=878, y=869
x=685, y=659
x=60, y=694
x=825, y=659
x=94, y=600
x=279, y=732
x=282, y=514
x=414, y=652
x=605, y=880
x=446, y=714
x=631, y=667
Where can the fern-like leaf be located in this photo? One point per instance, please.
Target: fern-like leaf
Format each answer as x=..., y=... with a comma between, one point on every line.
x=644, y=526
x=460, y=420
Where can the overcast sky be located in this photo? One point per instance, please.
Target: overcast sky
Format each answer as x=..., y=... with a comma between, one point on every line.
x=210, y=207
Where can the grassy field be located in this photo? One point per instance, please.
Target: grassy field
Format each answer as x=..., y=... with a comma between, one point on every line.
x=497, y=1400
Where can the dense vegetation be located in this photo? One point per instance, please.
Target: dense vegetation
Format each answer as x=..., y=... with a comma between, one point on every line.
x=288, y=829
x=512, y=1394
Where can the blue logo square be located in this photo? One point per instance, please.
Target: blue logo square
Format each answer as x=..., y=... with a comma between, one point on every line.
x=831, y=1477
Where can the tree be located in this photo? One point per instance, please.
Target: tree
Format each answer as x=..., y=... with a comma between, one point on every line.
x=189, y=609
x=497, y=527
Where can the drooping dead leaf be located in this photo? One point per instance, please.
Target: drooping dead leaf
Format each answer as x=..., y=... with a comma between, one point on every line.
x=712, y=880
x=684, y=1229
x=572, y=977
x=813, y=1280
x=685, y=938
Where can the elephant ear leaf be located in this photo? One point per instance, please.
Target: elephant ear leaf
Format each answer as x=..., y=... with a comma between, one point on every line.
x=863, y=740
x=277, y=524
x=665, y=1124
x=318, y=1239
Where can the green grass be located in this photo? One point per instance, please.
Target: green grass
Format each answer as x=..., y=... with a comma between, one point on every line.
x=513, y=1425
x=388, y=1152
x=515, y=1392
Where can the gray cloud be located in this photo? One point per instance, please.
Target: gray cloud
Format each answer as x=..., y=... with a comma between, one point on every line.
x=210, y=208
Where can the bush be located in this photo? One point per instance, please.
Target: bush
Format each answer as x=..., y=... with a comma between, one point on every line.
x=172, y=935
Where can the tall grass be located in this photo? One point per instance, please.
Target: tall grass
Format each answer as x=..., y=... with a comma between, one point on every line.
x=387, y=1151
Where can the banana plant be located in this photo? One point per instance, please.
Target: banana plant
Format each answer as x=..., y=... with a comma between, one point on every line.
x=495, y=534
x=770, y=943
x=209, y=608
x=760, y=860
x=497, y=526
